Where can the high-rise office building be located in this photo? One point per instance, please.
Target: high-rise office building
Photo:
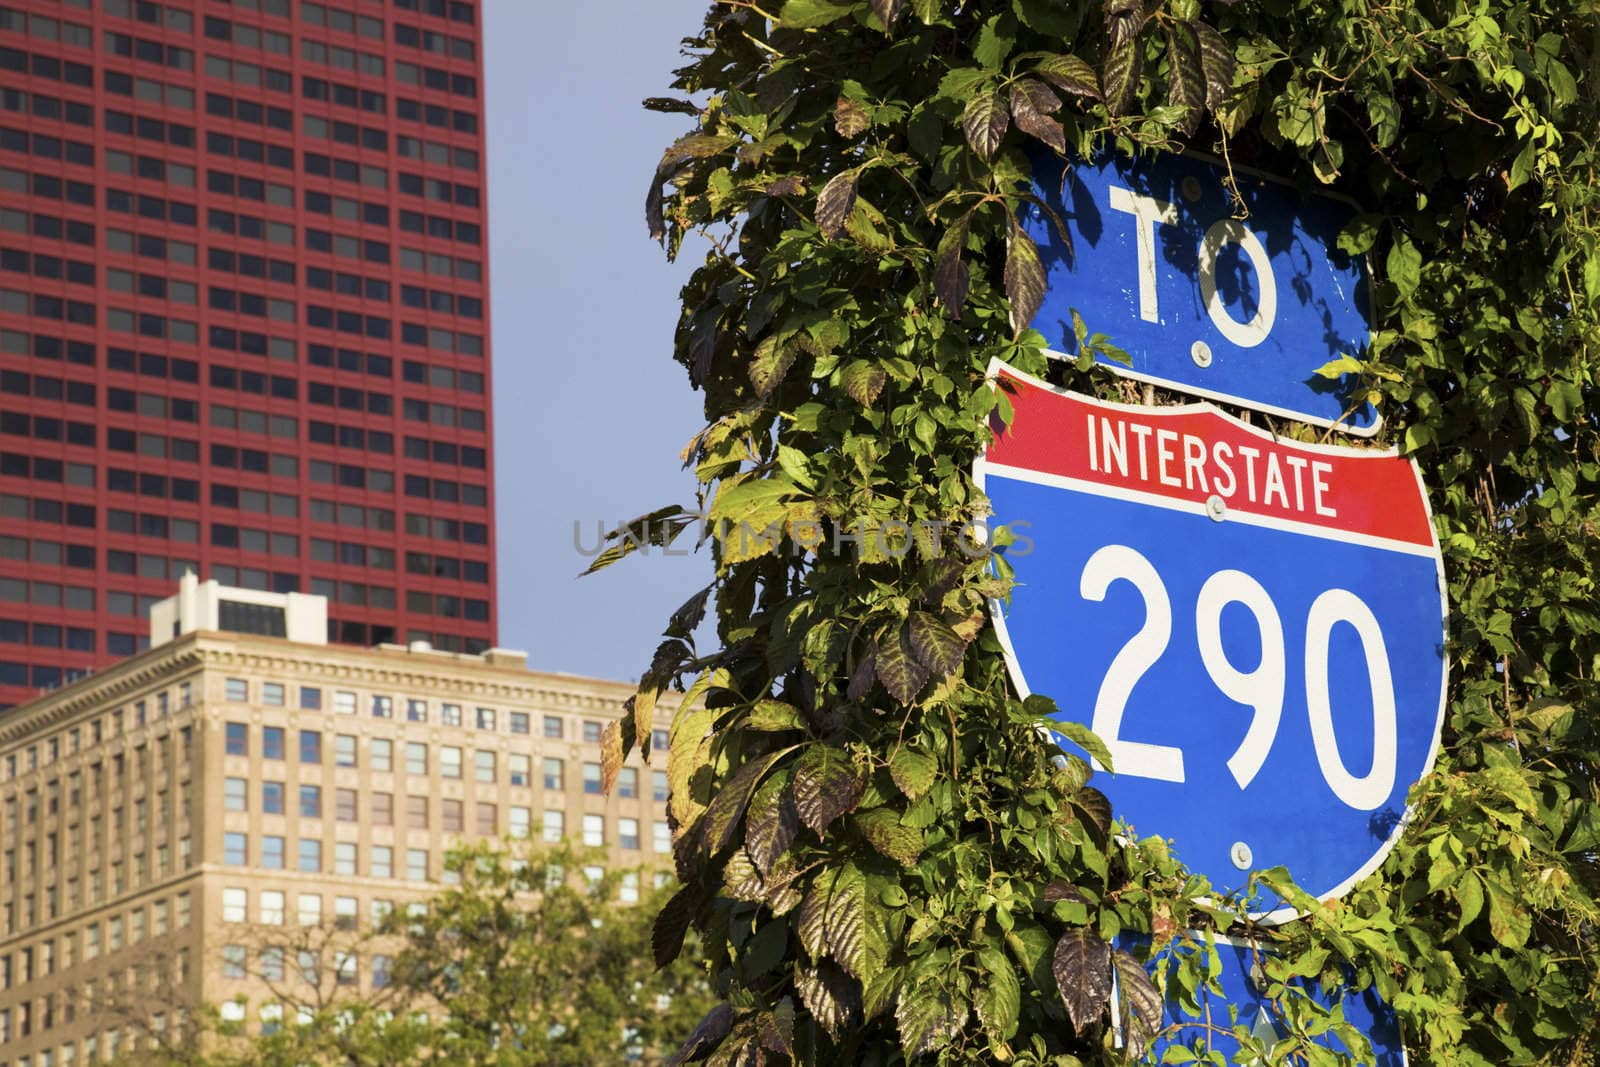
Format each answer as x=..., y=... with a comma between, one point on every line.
x=243, y=319
x=171, y=827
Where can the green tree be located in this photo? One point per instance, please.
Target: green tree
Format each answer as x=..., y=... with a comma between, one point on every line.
x=883, y=859
x=525, y=961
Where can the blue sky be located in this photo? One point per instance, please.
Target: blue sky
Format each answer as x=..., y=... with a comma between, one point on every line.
x=590, y=410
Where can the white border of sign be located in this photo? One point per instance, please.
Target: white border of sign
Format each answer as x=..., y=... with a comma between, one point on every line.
x=997, y=613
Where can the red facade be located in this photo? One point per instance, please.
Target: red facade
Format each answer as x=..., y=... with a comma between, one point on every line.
x=243, y=319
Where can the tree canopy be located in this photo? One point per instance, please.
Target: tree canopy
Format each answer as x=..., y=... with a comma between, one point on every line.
x=529, y=959
x=882, y=855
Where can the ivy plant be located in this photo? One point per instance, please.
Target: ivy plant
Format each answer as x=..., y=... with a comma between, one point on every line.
x=885, y=859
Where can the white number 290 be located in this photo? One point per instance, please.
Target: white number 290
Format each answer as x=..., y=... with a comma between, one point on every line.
x=1261, y=689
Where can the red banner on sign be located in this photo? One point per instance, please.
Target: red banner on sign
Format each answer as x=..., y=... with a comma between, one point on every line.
x=1198, y=455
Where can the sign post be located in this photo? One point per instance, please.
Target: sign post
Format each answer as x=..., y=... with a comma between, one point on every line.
x=1255, y=627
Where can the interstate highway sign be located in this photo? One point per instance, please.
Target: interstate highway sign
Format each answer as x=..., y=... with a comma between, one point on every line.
x=1242, y=311
x=1254, y=627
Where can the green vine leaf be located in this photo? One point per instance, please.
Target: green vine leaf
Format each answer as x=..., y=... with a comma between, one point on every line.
x=1070, y=74
x=1186, y=78
x=826, y=786
x=985, y=121
x=999, y=995
x=1025, y=280
x=899, y=671
x=1082, y=970
x=1141, y=1004
x=831, y=997
x=771, y=822
x=914, y=772
x=1216, y=61
x=929, y=1017
x=1032, y=104
x=888, y=11
x=835, y=203
x=951, y=278
x=863, y=381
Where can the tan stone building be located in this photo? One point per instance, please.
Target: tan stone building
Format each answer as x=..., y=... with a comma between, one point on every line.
x=159, y=818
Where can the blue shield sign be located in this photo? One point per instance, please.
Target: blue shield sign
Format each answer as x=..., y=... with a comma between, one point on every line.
x=1255, y=627
x=1239, y=302
x=1244, y=1003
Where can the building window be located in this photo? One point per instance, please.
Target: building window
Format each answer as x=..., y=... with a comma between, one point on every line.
x=236, y=739
x=628, y=782
x=416, y=711
x=521, y=821
x=382, y=969
x=628, y=890
x=450, y=714
x=658, y=740
x=416, y=813
x=552, y=726
x=235, y=905
x=486, y=718
x=518, y=768
x=344, y=969
x=660, y=787
x=344, y=858
x=233, y=794
x=344, y=703
x=233, y=961
x=310, y=746
x=450, y=817
x=272, y=694
x=662, y=836
x=272, y=968
x=272, y=852
x=310, y=698
x=272, y=798
x=592, y=731
x=310, y=855
x=594, y=830
x=381, y=861
x=382, y=707
x=311, y=802
x=383, y=809
x=344, y=805
x=234, y=849
x=484, y=766
x=382, y=750
x=517, y=721
x=344, y=750
x=272, y=742
x=555, y=825
x=272, y=907
x=553, y=766
x=416, y=757
x=591, y=778
x=236, y=691
x=449, y=761
x=488, y=818
x=628, y=833
x=417, y=864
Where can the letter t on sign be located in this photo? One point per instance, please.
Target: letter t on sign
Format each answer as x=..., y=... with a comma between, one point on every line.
x=1146, y=211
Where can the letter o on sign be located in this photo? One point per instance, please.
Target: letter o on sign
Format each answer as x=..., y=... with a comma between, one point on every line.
x=1244, y=334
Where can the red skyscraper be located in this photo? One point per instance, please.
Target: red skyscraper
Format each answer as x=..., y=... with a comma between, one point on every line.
x=243, y=319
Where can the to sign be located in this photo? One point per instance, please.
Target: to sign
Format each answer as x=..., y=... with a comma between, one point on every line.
x=1254, y=627
x=1244, y=991
x=1241, y=310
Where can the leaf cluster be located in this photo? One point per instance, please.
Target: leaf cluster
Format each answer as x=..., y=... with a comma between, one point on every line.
x=887, y=860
